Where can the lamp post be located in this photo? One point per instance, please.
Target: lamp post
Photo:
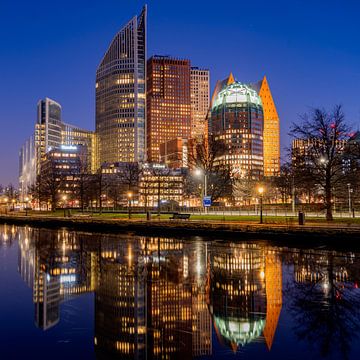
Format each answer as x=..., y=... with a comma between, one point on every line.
x=261, y=192
x=349, y=192
x=13, y=204
x=26, y=206
x=199, y=172
x=129, y=195
x=64, y=202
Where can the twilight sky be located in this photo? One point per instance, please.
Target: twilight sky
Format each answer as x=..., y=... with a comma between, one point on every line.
x=309, y=50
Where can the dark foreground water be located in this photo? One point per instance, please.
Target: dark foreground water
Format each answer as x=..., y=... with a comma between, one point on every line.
x=70, y=295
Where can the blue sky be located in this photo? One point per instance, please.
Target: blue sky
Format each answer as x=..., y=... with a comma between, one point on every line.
x=309, y=50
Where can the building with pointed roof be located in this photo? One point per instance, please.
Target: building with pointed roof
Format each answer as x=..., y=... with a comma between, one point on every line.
x=237, y=119
x=121, y=95
x=271, y=133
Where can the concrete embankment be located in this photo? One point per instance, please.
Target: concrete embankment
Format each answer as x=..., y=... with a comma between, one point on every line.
x=318, y=233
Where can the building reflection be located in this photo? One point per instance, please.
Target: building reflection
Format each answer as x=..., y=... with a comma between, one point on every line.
x=155, y=298
x=244, y=294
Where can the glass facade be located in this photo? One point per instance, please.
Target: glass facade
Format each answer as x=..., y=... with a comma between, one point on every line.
x=168, y=102
x=237, y=119
x=47, y=129
x=120, y=95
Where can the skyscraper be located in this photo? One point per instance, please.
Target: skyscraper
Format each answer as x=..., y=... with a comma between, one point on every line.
x=237, y=120
x=271, y=129
x=120, y=95
x=47, y=129
x=50, y=133
x=168, y=102
x=200, y=101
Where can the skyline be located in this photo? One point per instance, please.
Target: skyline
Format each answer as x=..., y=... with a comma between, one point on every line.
x=29, y=68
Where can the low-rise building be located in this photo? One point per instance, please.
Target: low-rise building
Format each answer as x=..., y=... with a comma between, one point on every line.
x=161, y=185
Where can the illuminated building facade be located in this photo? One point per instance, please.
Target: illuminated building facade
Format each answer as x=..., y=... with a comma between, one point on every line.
x=271, y=133
x=200, y=101
x=47, y=129
x=62, y=167
x=159, y=184
x=27, y=167
x=174, y=153
x=120, y=95
x=72, y=135
x=168, y=102
x=237, y=120
x=50, y=133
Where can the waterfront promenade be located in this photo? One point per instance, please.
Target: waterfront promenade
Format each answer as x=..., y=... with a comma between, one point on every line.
x=277, y=229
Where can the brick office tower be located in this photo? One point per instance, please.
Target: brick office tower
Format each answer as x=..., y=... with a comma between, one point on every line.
x=168, y=102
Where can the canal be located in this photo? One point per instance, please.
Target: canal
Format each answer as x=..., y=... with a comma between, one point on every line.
x=77, y=295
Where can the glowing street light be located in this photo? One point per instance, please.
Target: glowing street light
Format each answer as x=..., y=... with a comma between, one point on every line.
x=261, y=193
x=129, y=195
x=199, y=173
x=64, y=198
x=26, y=205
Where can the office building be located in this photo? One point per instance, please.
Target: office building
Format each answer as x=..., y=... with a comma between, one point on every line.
x=120, y=95
x=271, y=133
x=237, y=120
x=27, y=167
x=168, y=102
x=200, y=101
x=175, y=153
x=51, y=133
x=47, y=129
x=160, y=185
x=72, y=135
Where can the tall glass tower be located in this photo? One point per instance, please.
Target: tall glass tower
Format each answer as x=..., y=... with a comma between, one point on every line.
x=121, y=93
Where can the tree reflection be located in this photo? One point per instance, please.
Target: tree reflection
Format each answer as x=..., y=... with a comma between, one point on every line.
x=324, y=301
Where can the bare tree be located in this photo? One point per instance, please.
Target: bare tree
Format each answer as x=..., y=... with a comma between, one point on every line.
x=205, y=156
x=325, y=134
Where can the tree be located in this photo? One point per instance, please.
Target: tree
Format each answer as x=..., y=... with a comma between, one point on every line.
x=324, y=135
x=129, y=176
x=205, y=157
x=50, y=183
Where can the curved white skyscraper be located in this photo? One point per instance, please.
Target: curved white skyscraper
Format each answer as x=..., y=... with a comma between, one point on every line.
x=120, y=95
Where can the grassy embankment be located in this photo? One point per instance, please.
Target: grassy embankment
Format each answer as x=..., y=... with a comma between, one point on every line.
x=289, y=220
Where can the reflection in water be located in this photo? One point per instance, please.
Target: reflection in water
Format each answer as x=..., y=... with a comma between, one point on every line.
x=325, y=300
x=245, y=294
x=164, y=298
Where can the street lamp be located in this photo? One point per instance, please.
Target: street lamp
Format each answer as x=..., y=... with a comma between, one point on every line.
x=200, y=172
x=261, y=192
x=64, y=197
x=349, y=192
x=129, y=195
x=13, y=204
x=26, y=206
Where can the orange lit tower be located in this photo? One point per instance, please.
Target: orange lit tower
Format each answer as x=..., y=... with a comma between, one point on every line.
x=271, y=134
x=273, y=281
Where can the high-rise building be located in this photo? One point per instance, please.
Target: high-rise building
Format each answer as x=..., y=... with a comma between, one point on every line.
x=168, y=102
x=271, y=129
x=120, y=95
x=237, y=120
x=27, y=166
x=200, y=101
x=50, y=133
x=47, y=129
x=72, y=135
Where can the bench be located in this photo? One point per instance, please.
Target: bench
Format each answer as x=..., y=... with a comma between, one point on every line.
x=177, y=216
x=83, y=215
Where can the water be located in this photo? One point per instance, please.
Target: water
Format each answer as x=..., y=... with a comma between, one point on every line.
x=95, y=296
